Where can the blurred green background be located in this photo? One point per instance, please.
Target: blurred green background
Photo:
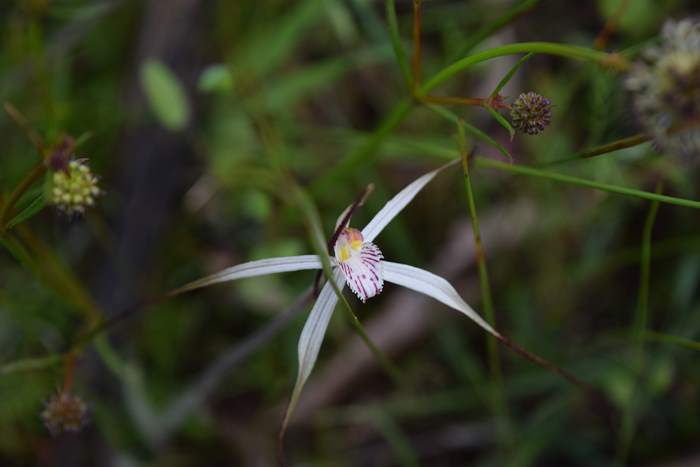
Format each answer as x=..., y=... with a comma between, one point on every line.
x=189, y=107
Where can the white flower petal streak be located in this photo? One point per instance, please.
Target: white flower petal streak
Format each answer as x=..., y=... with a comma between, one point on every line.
x=434, y=286
x=312, y=336
x=255, y=268
x=396, y=204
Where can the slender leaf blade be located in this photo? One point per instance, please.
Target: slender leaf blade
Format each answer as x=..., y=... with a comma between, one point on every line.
x=502, y=121
x=471, y=129
x=36, y=205
x=508, y=76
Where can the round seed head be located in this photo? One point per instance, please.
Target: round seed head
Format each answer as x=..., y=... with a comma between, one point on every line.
x=665, y=88
x=531, y=113
x=64, y=412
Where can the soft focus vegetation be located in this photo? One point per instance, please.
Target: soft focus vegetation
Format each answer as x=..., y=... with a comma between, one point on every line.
x=218, y=130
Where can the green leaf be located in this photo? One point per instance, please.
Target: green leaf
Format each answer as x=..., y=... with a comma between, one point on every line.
x=451, y=116
x=215, y=78
x=489, y=28
x=278, y=39
x=502, y=121
x=165, y=95
x=36, y=205
x=502, y=83
x=396, y=44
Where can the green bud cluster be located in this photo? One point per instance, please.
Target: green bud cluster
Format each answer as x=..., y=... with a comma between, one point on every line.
x=74, y=188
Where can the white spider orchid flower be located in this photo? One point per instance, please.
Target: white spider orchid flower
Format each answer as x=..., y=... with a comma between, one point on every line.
x=359, y=263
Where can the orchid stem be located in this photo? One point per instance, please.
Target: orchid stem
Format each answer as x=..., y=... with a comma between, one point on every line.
x=381, y=357
x=499, y=401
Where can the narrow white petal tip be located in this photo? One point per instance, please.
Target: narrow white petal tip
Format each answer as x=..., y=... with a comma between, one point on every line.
x=361, y=264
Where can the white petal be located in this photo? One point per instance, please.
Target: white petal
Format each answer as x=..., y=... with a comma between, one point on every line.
x=394, y=206
x=434, y=286
x=255, y=268
x=312, y=336
x=363, y=273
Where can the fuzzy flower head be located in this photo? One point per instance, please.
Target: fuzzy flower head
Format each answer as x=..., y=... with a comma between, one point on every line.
x=665, y=85
x=74, y=188
x=531, y=113
x=64, y=412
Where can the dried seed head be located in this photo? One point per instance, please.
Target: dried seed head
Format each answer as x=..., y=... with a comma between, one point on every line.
x=64, y=412
x=665, y=86
x=74, y=188
x=531, y=113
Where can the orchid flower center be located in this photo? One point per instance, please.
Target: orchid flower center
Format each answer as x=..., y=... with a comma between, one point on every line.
x=361, y=263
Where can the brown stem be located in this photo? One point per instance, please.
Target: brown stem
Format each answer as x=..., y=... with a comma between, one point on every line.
x=445, y=100
x=22, y=122
x=69, y=363
x=610, y=25
x=628, y=142
x=545, y=364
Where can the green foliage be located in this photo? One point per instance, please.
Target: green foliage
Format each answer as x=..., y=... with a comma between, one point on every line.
x=165, y=95
x=299, y=105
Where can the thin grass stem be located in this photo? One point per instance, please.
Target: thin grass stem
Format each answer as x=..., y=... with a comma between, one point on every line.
x=499, y=401
x=569, y=179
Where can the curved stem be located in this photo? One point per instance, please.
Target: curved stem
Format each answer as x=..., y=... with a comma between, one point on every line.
x=564, y=50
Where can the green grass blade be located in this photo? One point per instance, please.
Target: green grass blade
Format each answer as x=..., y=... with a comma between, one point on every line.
x=396, y=44
x=36, y=205
x=557, y=177
x=508, y=76
x=451, y=116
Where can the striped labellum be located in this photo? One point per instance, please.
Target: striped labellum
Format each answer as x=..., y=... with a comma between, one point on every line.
x=360, y=262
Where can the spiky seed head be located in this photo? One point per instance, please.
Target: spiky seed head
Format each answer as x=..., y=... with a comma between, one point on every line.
x=64, y=412
x=665, y=88
x=74, y=188
x=531, y=113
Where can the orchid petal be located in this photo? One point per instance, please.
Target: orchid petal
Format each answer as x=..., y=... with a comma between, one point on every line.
x=396, y=204
x=312, y=337
x=255, y=268
x=363, y=273
x=434, y=286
